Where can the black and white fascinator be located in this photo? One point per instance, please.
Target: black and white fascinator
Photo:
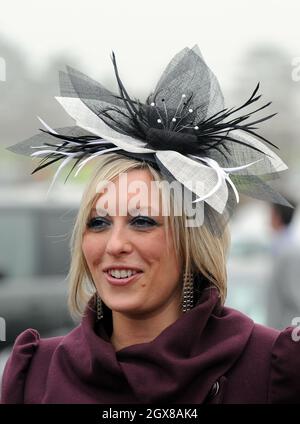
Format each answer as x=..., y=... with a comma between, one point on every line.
x=183, y=129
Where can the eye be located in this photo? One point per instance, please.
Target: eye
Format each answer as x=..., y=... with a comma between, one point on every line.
x=97, y=223
x=143, y=222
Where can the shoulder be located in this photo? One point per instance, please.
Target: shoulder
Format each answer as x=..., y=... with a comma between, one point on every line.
x=284, y=384
x=268, y=369
x=28, y=348
x=270, y=365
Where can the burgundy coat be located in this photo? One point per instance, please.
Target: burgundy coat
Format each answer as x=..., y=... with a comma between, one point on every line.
x=212, y=354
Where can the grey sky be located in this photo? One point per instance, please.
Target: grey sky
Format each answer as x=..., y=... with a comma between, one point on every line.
x=145, y=34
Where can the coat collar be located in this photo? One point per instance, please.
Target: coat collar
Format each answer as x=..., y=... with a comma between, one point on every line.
x=179, y=366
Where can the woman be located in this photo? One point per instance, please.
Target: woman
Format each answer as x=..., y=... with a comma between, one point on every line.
x=148, y=282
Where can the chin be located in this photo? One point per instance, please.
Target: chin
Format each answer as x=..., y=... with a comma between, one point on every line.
x=124, y=307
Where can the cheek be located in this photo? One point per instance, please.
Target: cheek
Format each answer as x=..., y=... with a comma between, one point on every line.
x=152, y=246
x=92, y=248
x=157, y=251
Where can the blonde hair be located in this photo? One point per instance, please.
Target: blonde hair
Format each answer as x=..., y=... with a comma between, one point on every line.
x=199, y=250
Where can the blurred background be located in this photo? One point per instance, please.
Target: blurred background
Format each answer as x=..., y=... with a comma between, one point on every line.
x=243, y=43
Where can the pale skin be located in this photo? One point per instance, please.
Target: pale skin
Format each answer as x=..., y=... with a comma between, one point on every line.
x=142, y=309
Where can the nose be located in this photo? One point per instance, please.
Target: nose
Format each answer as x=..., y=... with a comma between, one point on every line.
x=118, y=242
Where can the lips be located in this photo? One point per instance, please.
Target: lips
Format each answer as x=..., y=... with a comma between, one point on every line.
x=121, y=281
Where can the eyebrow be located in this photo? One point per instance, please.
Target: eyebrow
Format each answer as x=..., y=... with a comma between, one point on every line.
x=131, y=212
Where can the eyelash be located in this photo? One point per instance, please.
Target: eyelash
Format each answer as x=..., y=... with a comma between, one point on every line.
x=92, y=223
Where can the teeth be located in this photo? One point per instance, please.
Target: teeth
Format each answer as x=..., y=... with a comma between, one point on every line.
x=121, y=273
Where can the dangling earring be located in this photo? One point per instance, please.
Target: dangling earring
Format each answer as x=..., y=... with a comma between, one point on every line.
x=188, y=292
x=99, y=307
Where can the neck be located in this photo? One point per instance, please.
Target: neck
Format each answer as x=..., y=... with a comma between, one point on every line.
x=129, y=330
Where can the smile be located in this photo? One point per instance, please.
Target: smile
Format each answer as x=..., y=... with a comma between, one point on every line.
x=118, y=279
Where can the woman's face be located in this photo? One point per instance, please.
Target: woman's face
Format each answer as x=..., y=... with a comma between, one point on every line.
x=114, y=244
